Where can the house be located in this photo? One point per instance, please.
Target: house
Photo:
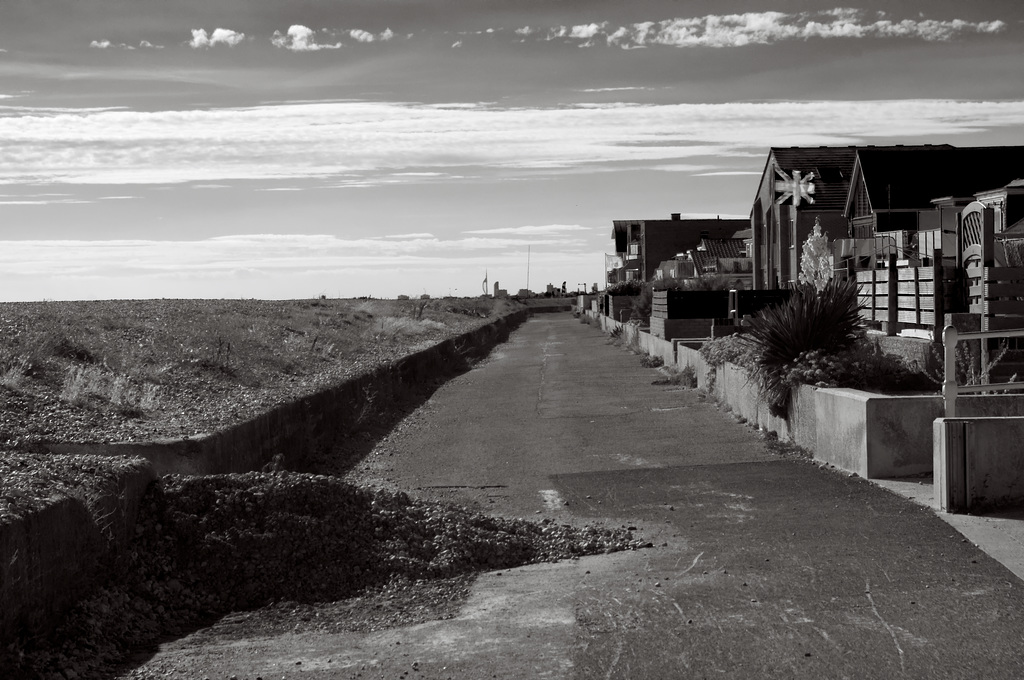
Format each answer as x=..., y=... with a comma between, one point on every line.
x=643, y=244
x=726, y=257
x=780, y=219
x=907, y=198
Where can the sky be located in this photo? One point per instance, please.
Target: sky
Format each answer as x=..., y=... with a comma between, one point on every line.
x=287, y=149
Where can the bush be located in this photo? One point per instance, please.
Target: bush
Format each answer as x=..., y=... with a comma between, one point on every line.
x=809, y=321
x=702, y=282
x=734, y=349
x=625, y=288
x=651, y=361
x=863, y=366
x=642, y=305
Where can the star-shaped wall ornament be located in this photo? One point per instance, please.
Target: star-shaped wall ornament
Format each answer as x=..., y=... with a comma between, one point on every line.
x=799, y=187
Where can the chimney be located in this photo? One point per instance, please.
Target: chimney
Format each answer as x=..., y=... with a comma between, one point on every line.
x=675, y=216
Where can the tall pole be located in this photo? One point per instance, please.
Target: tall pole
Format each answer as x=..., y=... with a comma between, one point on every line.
x=527, y=267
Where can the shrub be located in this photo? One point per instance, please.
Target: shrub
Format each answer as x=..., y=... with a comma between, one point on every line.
x=809, y=320
x=651, y=361
x=734, y=349
x=642, y=305
x=702, y=282
x=688, y=377
x=863, y=366
x=625, y=288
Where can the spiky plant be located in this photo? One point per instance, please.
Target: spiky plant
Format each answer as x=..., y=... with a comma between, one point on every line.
x=810, y=320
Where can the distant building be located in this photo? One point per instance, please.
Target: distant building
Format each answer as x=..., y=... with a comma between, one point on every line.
x=643, y=244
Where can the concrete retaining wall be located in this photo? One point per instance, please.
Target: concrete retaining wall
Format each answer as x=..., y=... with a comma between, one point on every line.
x=53, y=556
x=298, y=430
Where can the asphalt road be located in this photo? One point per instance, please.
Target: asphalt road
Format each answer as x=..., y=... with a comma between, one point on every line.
x=763, y=565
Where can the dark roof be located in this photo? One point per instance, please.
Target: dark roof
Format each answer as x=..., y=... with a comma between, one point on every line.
x=716, y=227
x=832, y=167
x=910, y=177
x=706, y=260
x=723, y=247
x=703, y=262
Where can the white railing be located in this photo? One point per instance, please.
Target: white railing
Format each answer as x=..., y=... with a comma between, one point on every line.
x=950, y=337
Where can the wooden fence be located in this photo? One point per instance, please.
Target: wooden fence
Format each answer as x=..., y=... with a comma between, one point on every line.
x=997, y=294
x=916, y=296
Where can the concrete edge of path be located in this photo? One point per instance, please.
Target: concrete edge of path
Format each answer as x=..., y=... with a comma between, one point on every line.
x=1000, y=535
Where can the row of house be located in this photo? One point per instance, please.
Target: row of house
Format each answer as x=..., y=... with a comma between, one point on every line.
x=871, y=201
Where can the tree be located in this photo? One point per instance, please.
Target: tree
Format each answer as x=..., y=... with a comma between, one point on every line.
x=816, y=260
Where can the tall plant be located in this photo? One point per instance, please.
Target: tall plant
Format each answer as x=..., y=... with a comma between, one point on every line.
x=826, y=319
x=816, y=259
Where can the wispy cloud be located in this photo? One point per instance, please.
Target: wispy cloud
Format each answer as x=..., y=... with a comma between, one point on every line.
x=300, y=38
x=544, y=229
x=370, y=143
x=220, y=36
x=107, y=45
x=763, y=28
x=362, y=36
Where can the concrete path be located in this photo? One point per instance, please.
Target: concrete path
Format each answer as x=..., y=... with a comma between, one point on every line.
x=763, y=566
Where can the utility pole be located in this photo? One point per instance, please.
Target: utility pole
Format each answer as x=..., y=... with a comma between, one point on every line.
x=527, y=267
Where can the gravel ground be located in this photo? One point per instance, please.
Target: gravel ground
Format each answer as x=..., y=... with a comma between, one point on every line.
x=255, y=553
x=299, y=550
x=136, y=370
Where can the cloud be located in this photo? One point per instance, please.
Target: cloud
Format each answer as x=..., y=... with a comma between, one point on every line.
x=106, y=45
x=411, y=236
x=763, y=28
x=300, y=39
x=457, y=43
x=220, y=36
x=545, y=229
x=354, y=143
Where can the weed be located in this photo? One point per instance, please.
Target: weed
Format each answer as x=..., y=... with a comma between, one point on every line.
x=13, y=371
x=80, y=383
x=83, y=384
x=688, y=377
x=615, y=336
x=651, y=361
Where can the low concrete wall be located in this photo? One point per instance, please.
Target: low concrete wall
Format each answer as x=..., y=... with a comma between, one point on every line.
x=54, y=555
x=657, y=347
x=978, y=464
x=300, y=429
x=877, y=436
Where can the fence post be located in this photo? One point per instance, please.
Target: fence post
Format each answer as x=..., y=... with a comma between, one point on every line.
x=988, y=260
x=949, y=340
x=939, y=285
x=890, y=328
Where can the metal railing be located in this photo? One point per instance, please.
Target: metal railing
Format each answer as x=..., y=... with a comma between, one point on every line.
x=950, y=337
